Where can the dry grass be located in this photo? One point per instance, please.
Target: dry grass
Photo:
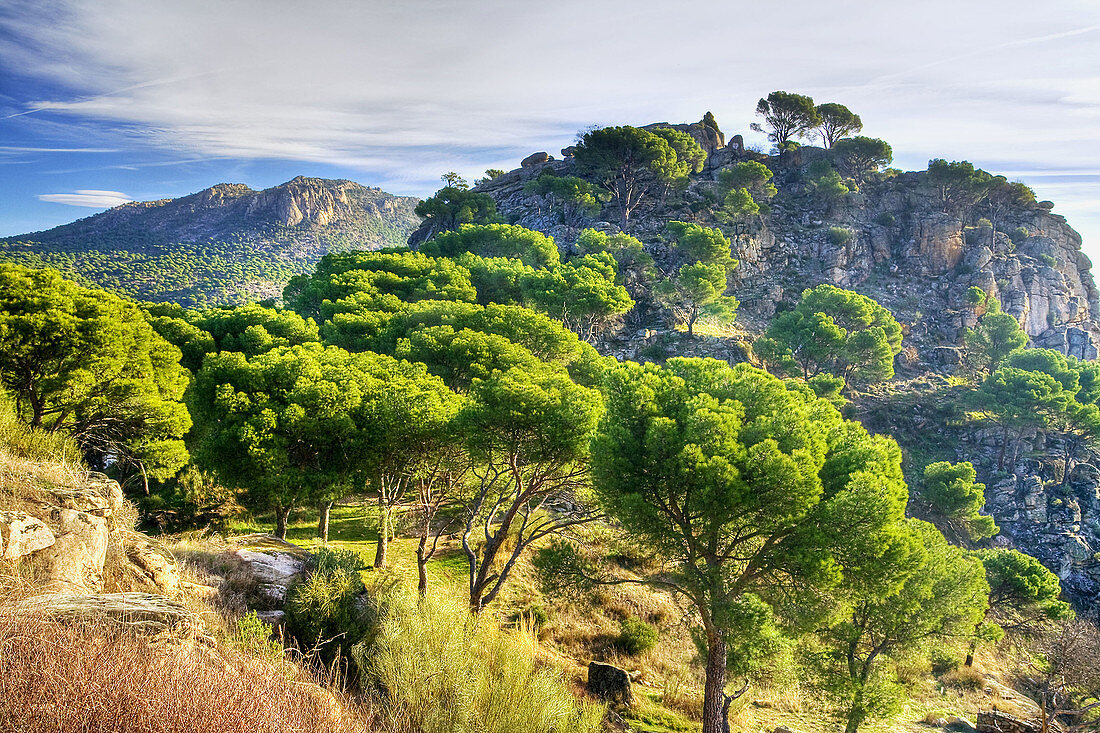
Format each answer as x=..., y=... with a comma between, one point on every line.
x=94, y=676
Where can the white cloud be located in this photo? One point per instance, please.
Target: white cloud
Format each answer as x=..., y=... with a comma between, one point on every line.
x=86, y=197
x=405, y=90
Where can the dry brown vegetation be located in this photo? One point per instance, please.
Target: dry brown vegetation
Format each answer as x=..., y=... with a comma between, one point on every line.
x=94, y=675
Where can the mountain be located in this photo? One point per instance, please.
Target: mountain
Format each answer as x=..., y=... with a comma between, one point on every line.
x=890, y=239
x=225, y=244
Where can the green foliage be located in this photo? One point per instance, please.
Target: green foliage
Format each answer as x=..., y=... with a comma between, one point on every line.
x=628, y=252
x=451, y=207
x=690, y=157
x=839, y=236
x=859, y=156
x=192, y=499
x=326, y=613
x=975, y=295
x=837, y=331
x=886, y=219
x=786, y=115
x=825, y=183
x=491, y=174
x=631, y=164
x=443, y=670
x=582, y=294
x=1019, y=235
x=1023, y=594
x=331, y=560
x=743, y=187
x=496, y=240
x=920, y=589
x=699, y=286
x=954, y=495
x=996, y=336
x=86, y=364
x=636, y=636
x=1047, y=260
x=694, y=457
x=836, y=122
x=574, y=198
x=254, y=637
x=960, y=186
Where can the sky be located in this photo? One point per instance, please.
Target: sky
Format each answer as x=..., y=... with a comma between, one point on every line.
x=106, y=101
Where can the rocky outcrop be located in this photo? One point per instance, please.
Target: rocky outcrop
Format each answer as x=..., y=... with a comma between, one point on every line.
x=275, y=564
x=71, y=536
x=22, y=534
x=992, y=721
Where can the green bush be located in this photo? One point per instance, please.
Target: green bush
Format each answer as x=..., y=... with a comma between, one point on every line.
x=328, y=560
x=975, y=295
x=636, y=636
x=254, y=636
x=885, y=219
x=1018, y=235
x=1048, y=260
x=839, y=235
x=327, y=613
x=441, y=669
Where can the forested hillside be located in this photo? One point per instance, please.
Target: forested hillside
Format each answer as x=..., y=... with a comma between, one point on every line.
x=668, y=435
x=225, y=245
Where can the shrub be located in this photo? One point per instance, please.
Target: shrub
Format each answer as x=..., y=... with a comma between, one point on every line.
x=254, y=636
x=328, y=560
x=975, y=295
x=441, y=669
x=1018, y=235
x=839, y=235
x=885, y=219
x=327, y=613
x=636, y=636
x=1048, y=260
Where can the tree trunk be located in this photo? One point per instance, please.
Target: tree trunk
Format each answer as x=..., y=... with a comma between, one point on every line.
x=714, y=694
x=422, y=564
x=322, y=522
x=856, y=716
x=383, y=541
x=282, y=516
x=144, y=477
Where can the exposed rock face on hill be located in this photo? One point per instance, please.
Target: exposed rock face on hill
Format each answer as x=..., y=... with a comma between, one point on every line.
x=901, y=248
x=223, y=244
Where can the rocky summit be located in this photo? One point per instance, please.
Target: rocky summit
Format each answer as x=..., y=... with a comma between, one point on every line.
x=894, y=240
x=225, y=244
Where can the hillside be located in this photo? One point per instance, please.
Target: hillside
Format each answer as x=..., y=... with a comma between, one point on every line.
x=226, y=244
x=891, y=239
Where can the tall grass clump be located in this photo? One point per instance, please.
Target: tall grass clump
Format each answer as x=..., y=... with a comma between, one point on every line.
x=440, y=669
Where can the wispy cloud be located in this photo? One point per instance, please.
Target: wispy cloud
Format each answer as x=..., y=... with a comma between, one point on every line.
x=88, y=198
x=396, y=92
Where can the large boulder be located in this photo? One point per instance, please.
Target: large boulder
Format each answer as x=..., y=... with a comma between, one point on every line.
x=142, y=611
x=536, y=159
x=21, y=534
x=147, y=564
x=610, y=684
x=993, y=721
x=273, y=563
x=74, y=562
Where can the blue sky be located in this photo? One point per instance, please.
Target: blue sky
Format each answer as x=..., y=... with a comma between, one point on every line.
x=103, y=101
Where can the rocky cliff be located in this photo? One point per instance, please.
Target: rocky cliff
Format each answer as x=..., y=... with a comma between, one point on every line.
x=221, y=245
x=901, y=248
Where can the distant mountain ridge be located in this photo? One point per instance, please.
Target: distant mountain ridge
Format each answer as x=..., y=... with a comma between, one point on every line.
x=225, y=244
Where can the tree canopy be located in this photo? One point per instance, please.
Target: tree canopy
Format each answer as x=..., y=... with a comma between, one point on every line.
x=88, y=364
x=860, y=155
x=698, y=287
x=739, y=487
x=837, y=331
x=787, y=116
x=836, y=122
